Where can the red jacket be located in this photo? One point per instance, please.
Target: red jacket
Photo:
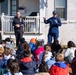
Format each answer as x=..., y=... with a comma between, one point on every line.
x=55, y=70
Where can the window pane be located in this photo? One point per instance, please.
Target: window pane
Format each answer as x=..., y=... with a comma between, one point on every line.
x=4, y=7
x=61, y=12
x=14, y=8
x=59, y=3
x=60, y=6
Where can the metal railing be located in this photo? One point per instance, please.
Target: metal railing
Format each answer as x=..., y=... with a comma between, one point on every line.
x=31, y=24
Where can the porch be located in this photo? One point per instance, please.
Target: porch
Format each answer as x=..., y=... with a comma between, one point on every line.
x=33, y=11
x=31, y=27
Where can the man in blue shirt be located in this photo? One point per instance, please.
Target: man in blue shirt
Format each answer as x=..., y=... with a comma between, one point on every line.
x=54, y=22
x=18, y=24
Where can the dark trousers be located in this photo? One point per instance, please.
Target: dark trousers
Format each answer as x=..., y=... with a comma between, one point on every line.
x=18, y=35
x=52, y=35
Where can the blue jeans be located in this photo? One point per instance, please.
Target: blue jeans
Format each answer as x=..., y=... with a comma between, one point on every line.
x=54, y=35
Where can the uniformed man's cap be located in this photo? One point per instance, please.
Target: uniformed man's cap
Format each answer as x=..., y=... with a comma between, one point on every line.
x=54, y=12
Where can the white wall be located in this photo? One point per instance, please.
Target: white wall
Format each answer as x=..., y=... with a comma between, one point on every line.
x=50, y=8
x=71, y=9
x=30, y=6
x=67, y=33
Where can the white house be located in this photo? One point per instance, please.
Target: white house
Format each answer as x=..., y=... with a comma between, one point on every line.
x=34, y=11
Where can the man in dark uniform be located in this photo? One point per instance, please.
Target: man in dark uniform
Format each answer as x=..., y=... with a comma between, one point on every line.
x=18, y=24
x=54, y=22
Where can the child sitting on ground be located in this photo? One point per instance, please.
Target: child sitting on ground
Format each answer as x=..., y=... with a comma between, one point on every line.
x=13, y=67
x=27, y=65
x=38, y=50
x=43, y=69
x=25, y=46
x=59, y=68
x=69, y=52
x=32, y=44
x=3, y=68
x=46, y=56
x=8, y=54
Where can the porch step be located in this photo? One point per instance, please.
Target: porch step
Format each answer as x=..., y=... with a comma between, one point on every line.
x=25, y=33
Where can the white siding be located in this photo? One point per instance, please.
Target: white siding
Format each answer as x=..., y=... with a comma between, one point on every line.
x=71, y=9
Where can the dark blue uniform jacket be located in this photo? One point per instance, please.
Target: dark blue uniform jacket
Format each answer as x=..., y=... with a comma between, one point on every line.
x=18, y=21
x=53, y=25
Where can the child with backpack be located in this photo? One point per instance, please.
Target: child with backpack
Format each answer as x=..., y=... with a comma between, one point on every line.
x=60, y=67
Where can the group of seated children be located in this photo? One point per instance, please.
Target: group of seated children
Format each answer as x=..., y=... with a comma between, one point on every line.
x=34, y=58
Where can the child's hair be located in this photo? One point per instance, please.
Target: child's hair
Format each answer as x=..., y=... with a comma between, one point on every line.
x=39, y=42
x=7, y=39
x=70, y=44
x=2, y=42
x=1, y=55
x=47, y=47
x=25, y=46
x=75, y=53
x=1, y=49
x=27, y=53
x=43, y=67
x=22, y=40
x=43, y=56
x=59, y=57
x=13, y=65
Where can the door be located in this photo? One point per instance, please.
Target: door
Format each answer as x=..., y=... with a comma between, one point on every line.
x=4, y=7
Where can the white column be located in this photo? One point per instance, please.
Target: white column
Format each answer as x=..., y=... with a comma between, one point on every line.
x=42, y=9
x=9, y=7
x=2, y=20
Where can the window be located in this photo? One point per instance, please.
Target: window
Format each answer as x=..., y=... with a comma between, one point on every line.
x=4, y=7
x=60, y=7
x=13, y=7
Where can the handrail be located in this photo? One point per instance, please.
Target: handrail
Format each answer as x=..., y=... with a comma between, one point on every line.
x=31, y=24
